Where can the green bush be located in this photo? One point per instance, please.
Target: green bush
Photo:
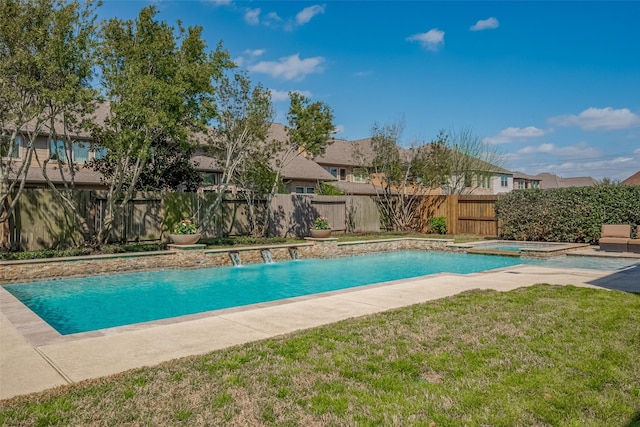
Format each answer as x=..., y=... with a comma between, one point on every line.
x=438, y=224
x=46, y=253
x=573, y=214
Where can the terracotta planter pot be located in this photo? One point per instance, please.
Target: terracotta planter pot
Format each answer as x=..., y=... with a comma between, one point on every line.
x=184, y=239
x=320, y=234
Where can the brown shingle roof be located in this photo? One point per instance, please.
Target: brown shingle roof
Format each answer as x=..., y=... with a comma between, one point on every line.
x=520, y=175
x=347, y=153
x=83, y=176
x=301, y=168
x=549, y=180
x=633, y=179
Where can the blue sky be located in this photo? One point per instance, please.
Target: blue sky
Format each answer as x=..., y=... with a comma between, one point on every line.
x=552, y=86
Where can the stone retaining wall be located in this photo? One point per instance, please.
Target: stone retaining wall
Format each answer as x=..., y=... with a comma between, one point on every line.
x=195, y=256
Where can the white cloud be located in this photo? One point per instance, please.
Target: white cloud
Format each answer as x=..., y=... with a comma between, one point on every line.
x=290, y=67
x=279, y=95
x=600, y=119
x=306, y=14
x=249, y=54
x=636, y=151
x=338, y=129
x=254, y=52
x=283, y=95
x=617, y=168
x=511, y=133
x=220, y=2
x=432, y=39
x=252, y=16
x=581, y=151
x=485, y=24
x=272, y=19
x=542, y=148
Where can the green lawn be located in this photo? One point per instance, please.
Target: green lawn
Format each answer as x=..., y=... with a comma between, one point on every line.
x=546, y=355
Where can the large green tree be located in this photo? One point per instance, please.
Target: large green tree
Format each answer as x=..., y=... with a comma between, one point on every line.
x=159, y=83
x=45, y=72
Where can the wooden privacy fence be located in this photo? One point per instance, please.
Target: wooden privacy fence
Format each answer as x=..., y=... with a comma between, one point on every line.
x=466, y=214
x=293, y=215
x=40, y=221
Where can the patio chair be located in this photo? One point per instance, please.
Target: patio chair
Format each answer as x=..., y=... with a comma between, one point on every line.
x=614, y=237
x=633, y=245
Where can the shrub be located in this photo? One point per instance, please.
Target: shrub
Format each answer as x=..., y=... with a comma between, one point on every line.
x=46, y=253
x=185, y=226
x=573, y=214
x=438, y=224
x=321, y=223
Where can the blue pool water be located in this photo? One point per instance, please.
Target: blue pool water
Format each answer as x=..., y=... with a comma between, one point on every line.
x=98, y=302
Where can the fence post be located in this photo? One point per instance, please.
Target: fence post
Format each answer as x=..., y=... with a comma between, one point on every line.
x=452, y=208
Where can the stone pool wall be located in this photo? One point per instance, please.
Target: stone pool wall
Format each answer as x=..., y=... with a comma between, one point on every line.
x=195, y=256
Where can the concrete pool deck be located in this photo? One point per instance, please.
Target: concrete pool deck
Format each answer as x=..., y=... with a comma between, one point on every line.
x=37, y=363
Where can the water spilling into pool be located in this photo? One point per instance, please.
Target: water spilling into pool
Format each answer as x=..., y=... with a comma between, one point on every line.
x=98, y=302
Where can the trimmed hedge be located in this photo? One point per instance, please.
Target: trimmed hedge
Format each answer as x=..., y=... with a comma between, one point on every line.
x=573, y=214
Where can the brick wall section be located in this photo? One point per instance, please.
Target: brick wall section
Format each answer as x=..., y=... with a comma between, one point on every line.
x=197, y=257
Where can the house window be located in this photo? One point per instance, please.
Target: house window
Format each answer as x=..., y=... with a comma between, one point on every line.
x=305, y=190
x=57, y=150
x=504, y=180
x=210, y=178
x=343, y=174
x=333, y=171
x=14, y=152
x=360, y=175
x=81, y=152
x=520, y=185
x=467, y=180
x=534, y=184
x=99, y=153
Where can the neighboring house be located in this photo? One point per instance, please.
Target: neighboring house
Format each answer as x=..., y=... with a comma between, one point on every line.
x=46, y=148
x=632, y=180
x=349, y=163
x=346, y=165
x=210, y=170
x=548, y=180
x=492, y=181
x=523, y=181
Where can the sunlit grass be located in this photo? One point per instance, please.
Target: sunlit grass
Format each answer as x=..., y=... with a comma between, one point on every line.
x=546, y=355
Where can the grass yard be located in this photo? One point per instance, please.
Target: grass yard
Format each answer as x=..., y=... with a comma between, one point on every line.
x=546, y=355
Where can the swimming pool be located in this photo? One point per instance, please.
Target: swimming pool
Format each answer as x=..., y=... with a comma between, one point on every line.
x=91, y=303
